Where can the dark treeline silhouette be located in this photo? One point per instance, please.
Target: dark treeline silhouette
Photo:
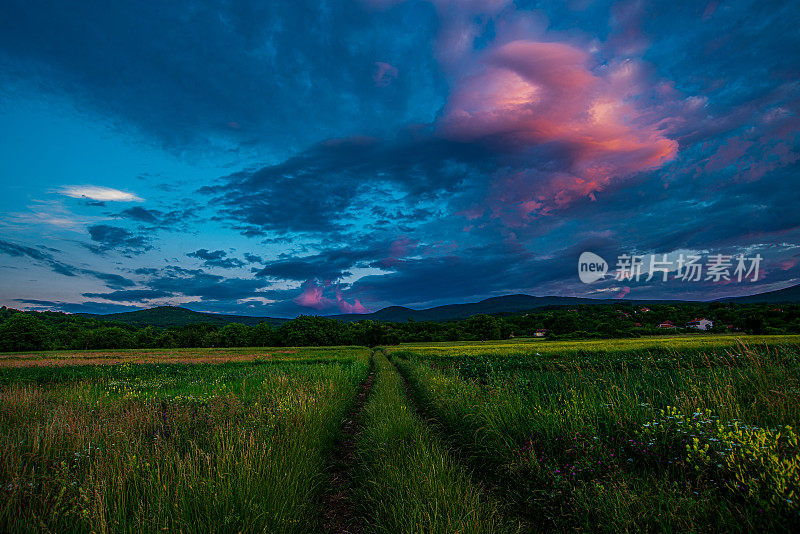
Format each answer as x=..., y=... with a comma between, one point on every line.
x=29, y=331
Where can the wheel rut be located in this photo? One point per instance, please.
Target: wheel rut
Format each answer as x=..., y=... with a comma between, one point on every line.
x=338, y=499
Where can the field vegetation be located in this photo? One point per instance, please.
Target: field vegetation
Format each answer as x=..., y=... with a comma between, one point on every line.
x=658, y=434
x=171, y=328
x=234, y=447
x=690, y=438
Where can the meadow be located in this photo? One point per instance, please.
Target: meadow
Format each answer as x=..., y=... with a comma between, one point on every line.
x=685, y=433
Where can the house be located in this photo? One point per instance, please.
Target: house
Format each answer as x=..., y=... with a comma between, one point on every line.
x=644, y=310
x=666, y=324
x=540, y=333
x=700, y=324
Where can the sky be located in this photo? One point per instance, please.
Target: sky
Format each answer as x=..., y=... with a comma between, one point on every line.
x=286, y=158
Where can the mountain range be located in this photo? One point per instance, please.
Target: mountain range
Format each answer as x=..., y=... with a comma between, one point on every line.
x=165, y=316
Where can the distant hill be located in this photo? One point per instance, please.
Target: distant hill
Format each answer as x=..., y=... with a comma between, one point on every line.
x=494, y=305
x=166, y=316
x=788, y=294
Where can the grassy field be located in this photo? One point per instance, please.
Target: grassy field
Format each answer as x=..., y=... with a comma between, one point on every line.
x=691, y=433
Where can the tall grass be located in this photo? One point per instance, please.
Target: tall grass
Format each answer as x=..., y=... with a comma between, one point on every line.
x=409, y=481
x=567, y=434
x=122, y=456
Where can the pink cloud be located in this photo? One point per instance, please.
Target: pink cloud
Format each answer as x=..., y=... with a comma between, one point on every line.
x=729, y=153
x=534, y=96
x=313, y=297
x=401, y=247
x=625, y=290
x=346, y=307
x=384, y=74
x=527, y=94
x=398, y=249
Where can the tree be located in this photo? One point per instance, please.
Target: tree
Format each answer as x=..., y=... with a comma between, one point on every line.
x=235, y=335
x=312, y=330
x=484, y=327
x=23, y=332
x=264, y=335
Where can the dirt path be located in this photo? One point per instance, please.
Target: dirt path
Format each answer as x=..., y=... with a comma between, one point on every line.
x=489, y=480
x=338, y=498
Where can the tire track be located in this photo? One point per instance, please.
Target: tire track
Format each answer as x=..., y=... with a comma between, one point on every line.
x=337, y=500
x=492, y=483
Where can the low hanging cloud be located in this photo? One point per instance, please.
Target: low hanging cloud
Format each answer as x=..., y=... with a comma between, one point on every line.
x=46, y=258
x=99, y=193
x=313, y=296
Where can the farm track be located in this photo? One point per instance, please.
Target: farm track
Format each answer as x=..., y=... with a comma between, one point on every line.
x=492, y=482
x=338, y=499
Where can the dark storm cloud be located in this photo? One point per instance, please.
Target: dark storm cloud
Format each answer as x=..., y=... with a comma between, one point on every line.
x=197, y=283
x=303, y=269
x=216, y=258
x=468, y=153
x=329, y=187
x=116, y=238
x=190, y=70
x=334, y=263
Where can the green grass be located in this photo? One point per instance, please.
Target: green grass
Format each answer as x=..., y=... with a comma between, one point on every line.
x=204, y=448
x=409, y=481
x=702, y=342
x=570, y=438
x=683, y=433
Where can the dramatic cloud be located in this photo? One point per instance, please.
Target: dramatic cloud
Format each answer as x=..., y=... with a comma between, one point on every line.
x=541, y=98
x=174, y=220
x=388, y=152
x=256, y=71
x=326, y=188
x=114, y=281
x=206, y=286
x=13, y=249
x=313, y=297
x=252, y=258
x=100, y=194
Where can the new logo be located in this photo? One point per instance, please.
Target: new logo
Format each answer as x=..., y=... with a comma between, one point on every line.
x=591, y=267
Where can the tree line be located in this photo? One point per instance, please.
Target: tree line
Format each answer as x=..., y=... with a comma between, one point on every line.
x=33, y=331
